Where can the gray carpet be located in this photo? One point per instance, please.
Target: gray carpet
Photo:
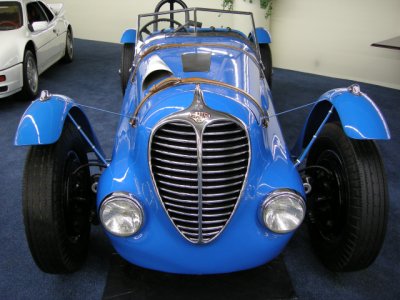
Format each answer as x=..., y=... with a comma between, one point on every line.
x=92, y=79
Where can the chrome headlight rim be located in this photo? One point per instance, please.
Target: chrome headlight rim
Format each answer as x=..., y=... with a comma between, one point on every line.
x=271, y=197
x=121, y=196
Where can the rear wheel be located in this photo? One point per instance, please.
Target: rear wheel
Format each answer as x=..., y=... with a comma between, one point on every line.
x=128, y=54
x=348, y=204
x=56, y=203
x=266, y=59
x=69, y=47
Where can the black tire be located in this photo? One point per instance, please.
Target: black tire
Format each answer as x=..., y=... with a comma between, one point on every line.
x=348, y=204
x=69, y=47
x=56, y=204
x=128, y=54
x=266, y=59
x=30, y=75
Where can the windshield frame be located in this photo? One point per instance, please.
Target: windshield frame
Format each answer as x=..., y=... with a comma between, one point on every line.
x=21, y=14
x=195, y=29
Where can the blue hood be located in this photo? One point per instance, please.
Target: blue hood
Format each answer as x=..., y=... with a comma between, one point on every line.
x=231, y=62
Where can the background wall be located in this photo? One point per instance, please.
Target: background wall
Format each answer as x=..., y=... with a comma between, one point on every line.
x=333, y=38
x=107, y=20
x=316, y=36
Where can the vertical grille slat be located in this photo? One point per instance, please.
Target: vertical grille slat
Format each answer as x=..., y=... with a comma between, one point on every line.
x=199, y=199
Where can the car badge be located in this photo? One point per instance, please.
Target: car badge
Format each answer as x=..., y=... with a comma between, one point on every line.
x=199, y=116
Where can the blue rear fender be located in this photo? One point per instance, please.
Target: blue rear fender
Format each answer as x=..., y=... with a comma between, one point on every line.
x=43, y=122
x=129, y=36
x=359, y=116
x=263, y=36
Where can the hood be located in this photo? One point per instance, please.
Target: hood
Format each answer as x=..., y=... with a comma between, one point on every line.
x=12, y=47
x=231, y=63
x=180, y=97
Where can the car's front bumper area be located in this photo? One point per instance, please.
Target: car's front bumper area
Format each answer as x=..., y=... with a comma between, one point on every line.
x=244, y=243
x=13, y=82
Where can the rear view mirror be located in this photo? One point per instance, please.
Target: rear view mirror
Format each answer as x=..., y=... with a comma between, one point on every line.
x=39, y=26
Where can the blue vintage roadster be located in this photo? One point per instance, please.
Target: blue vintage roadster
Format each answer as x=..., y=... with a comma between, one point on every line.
x=201, y=180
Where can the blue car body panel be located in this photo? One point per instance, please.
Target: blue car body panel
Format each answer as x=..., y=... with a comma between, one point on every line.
x=360, y=117
x=263, y=36
x=245, y=242
x=129, y=36
x=43, y=122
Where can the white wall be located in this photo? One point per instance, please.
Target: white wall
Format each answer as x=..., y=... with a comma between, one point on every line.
x=333, y=38
x=317, y=36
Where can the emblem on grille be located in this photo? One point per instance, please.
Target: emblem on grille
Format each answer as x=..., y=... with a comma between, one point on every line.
x=199, y=116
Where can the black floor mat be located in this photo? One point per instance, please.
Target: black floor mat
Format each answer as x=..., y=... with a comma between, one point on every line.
x=126, y=281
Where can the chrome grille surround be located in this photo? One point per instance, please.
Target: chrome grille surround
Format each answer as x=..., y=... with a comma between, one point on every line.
x=196, y=196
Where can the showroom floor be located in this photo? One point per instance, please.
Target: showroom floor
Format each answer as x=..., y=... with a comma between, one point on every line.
x=92, y=79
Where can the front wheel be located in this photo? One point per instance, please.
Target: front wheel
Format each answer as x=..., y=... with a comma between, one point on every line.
x=348, y=204
x=56, y=203
x=30, y=76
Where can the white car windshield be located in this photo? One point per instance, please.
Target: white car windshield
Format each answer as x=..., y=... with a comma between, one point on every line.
x=10, y=15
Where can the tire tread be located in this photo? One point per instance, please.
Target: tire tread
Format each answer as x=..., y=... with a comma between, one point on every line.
x=368, y=202
x=43, y=218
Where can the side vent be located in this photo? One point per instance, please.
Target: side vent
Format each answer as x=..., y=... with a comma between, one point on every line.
x=156, y=71
x=155, y=77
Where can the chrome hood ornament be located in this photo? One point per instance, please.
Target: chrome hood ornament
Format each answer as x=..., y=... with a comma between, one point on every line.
x=197, y=110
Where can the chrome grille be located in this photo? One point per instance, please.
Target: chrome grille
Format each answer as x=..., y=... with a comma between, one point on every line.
x=174, y=167
x=224, y=164
x=199, y=177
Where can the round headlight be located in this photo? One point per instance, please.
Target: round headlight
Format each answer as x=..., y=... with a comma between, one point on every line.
x=121, y=214
x=283, y=211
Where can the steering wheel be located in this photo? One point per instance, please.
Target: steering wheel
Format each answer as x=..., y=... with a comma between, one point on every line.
x=156, y=21
x=171, y=7
x=9, y=23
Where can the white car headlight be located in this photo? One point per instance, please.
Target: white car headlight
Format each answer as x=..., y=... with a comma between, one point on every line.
x=121, y=214
x=283, y=211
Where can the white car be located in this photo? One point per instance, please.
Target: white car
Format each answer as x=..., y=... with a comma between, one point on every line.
x=33, y=36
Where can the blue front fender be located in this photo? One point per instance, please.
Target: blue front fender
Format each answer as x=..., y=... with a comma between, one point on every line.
x=360, y=117
x=43, y=122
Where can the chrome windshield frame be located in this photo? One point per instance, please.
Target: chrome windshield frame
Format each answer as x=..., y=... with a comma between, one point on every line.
x=199, y=9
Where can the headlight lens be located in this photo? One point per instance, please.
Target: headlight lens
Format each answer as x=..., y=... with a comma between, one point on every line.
x=283, y=211
x=121, y=214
